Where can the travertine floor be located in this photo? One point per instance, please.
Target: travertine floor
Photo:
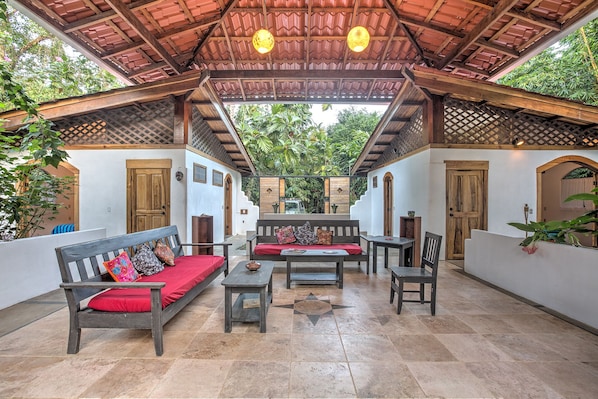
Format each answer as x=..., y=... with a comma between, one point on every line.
x=321, y=342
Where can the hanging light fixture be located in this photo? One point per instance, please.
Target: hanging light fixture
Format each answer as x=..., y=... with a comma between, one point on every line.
x=263, y=41
x=358, y=39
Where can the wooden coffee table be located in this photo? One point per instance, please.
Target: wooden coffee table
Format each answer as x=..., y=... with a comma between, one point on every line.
x=315, y=255
x=251, y=286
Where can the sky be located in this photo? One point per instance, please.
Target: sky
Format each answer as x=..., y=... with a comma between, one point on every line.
x=329, y=117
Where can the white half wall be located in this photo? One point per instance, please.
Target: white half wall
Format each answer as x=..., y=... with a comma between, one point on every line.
x=29, y=265
x=560, y=277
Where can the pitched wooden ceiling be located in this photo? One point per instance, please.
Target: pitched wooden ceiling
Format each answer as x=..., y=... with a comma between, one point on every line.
x=148, y=40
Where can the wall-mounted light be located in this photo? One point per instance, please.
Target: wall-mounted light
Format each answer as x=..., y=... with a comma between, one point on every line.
x=340, y=190
x=263, y=41
x=268, y=190
x=179, y=175
x=517, y=142
x=358, y=39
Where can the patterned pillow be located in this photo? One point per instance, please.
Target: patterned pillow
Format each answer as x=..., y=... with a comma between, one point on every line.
x=324, y=237
x=305, y=235
x=146, y=262
x=285, y=235
x=164, y=253
x=121, y=269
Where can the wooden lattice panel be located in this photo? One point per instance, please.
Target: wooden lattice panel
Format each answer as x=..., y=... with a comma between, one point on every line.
x=147, y=123
x=473, y=123
x=204, y=139
x=409, y=139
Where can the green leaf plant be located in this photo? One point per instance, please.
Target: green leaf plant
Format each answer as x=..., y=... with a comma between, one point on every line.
x=28, y=193
x=562, y=231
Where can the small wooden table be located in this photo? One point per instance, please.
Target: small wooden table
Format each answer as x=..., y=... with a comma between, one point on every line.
x=315, y=255
x=251, y=286
x=402, y=243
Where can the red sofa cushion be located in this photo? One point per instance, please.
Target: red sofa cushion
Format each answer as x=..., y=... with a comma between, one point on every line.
x=274, y=249
x=186, y=274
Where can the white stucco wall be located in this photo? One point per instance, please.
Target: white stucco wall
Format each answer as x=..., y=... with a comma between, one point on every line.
x=419, y=184
x=102, y=191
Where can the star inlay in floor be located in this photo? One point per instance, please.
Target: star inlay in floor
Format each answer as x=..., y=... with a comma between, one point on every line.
x=313, y=307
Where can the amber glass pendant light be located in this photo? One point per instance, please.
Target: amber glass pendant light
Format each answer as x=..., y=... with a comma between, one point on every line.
x=263, y=41
x=358, y=39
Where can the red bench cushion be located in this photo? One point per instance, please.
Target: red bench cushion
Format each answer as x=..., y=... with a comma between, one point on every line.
x=187, y=273
x=274, y=249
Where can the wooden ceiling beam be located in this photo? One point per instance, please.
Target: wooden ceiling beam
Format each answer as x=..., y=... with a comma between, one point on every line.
x=303, y=74
x=127, y=15
x=497, y=94
x=105, y=16
x=111, y=99
x=386, y=118
x=494, y=15
x=395, y=13
x=231, y=5
x=203, y=24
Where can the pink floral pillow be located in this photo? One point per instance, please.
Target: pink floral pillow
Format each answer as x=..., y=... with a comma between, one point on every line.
x=121, y=269
x=285, y=235
x=324, y=237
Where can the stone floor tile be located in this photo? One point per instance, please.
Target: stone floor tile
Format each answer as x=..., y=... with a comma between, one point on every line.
x=317, y=348
x=448, y=380
x=471, y=348
x=384, y=380
x=570, y=379
x=369, y=348
x=512, y=380
x=321, y=380
x=445, y=324
x=421, y=348
x=192, y=378
x=524, y=347
x=248, y=346
x=247, y=379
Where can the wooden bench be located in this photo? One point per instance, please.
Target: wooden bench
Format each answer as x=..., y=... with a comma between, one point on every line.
x=344, y=232
x=83, y=276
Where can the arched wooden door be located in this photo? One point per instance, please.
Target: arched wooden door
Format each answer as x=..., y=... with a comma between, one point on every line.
x=228, y=205
x=388, y=204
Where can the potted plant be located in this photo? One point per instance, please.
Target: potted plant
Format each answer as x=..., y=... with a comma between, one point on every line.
x=561, y=231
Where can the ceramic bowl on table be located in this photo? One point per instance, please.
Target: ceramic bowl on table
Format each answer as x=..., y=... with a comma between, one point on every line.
x=253, y=266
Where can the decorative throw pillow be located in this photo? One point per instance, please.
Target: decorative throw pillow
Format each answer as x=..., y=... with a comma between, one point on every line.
x=164, y=253
x=324, y=237
x=146, y=262
x=305, y=235
x=121, y=269
x=285, y=235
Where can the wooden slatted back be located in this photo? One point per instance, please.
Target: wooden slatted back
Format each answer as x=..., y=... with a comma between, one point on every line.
x=431, y=251
x=84, y=261
x=344, y=231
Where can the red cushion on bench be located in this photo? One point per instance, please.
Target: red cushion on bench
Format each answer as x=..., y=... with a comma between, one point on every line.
x=186, y=274
x=274, y=249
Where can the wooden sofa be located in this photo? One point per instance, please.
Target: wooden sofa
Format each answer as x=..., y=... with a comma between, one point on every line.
x=346, y=235
x=158, y=297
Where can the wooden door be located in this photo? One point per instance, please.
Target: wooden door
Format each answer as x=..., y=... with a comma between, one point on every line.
x=466, y=203
x=388, y=204
x=148, y=194
x=228, y=206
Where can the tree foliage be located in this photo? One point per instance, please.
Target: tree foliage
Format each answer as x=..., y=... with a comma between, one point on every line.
x=567, y=69
x=27, y=191
x=284, y=140
x=43, y=65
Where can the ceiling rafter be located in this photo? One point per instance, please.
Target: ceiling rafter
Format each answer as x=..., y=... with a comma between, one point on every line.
x=128, y=16
x=395, y=13
x=231, y=5
x=496, y=13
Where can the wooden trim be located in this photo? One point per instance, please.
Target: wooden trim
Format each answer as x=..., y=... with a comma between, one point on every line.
x=149, y=163
x=126, y=147
x=467, y=165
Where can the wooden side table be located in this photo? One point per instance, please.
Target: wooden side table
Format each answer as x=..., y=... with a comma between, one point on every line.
x=251, y=286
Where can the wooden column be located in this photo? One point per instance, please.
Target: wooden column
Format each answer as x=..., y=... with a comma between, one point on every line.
x=182, y=120
x=433, y=119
